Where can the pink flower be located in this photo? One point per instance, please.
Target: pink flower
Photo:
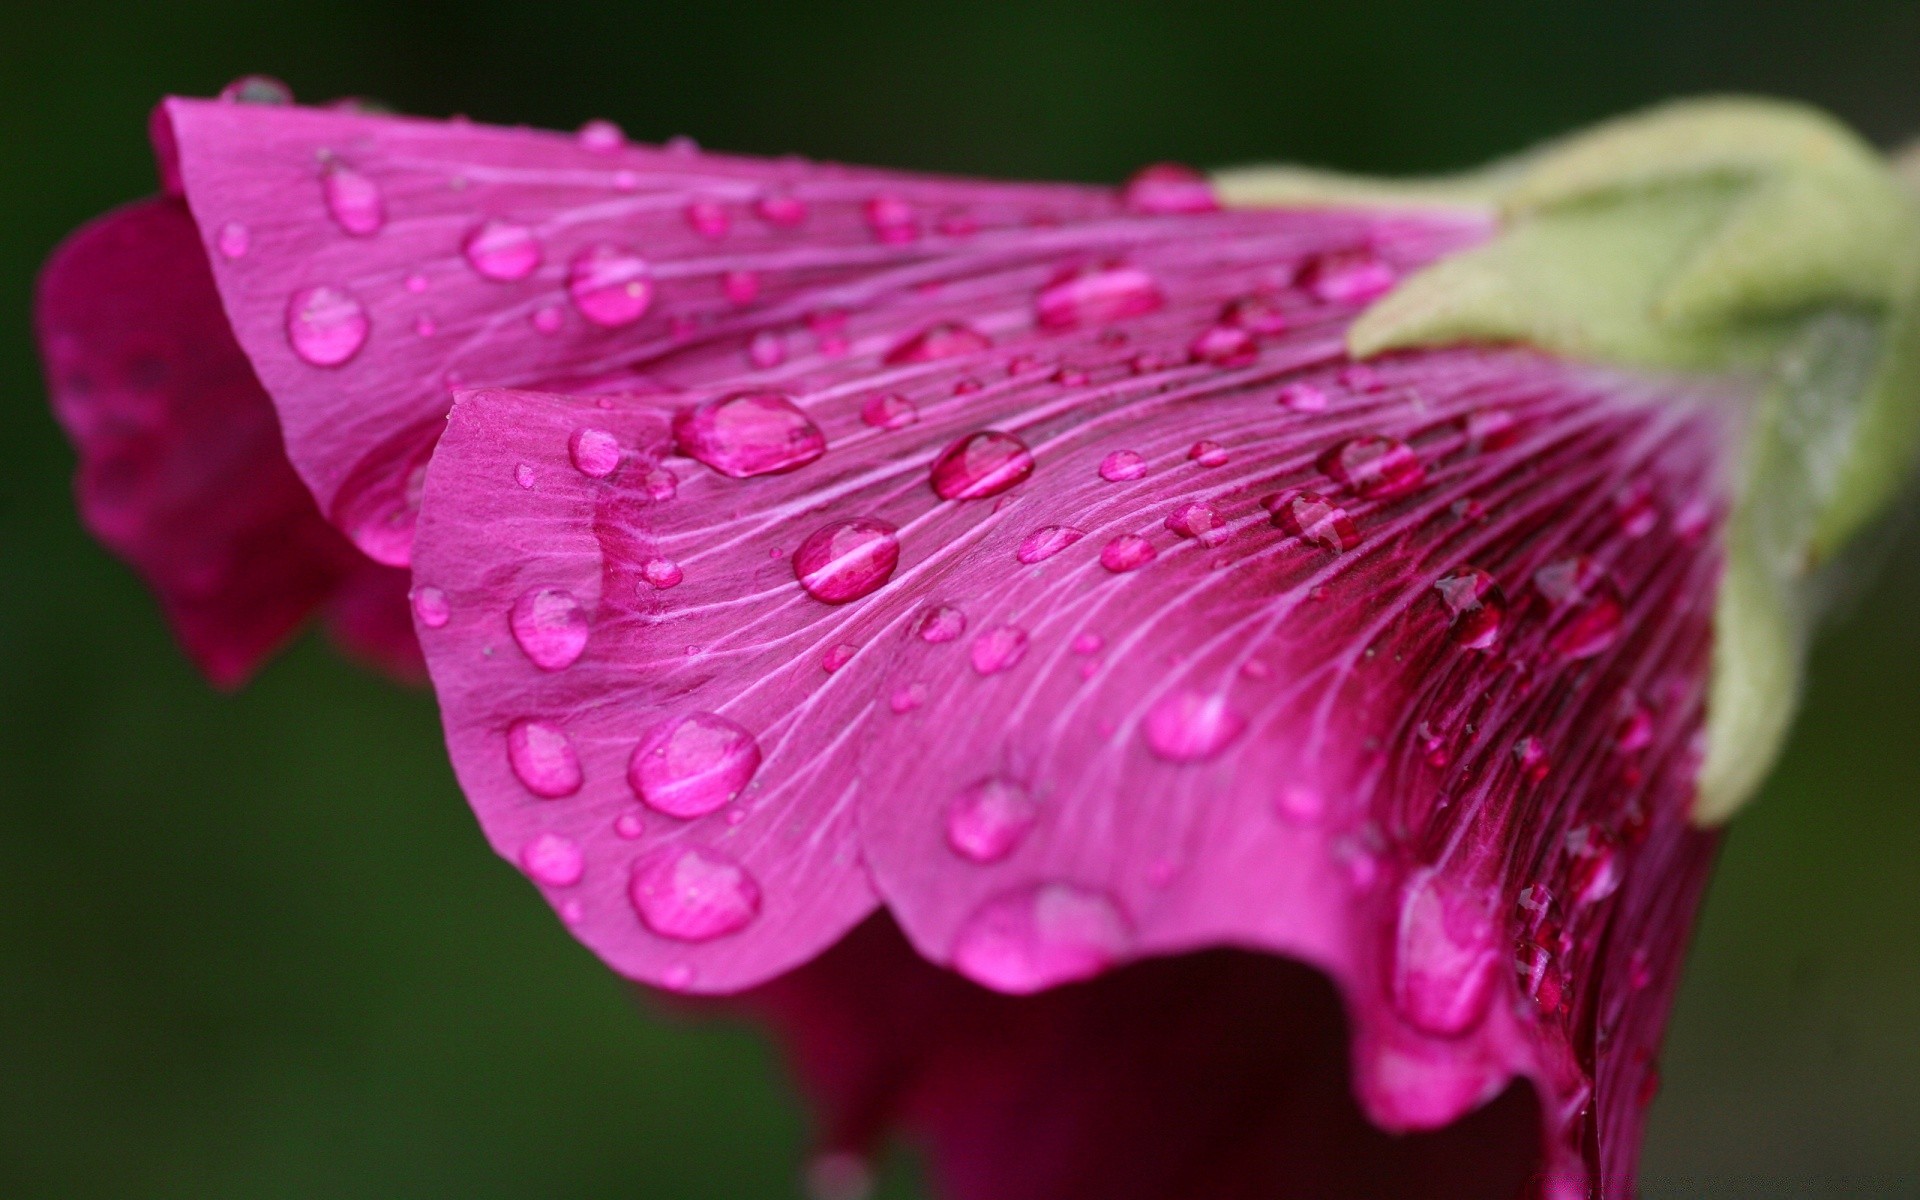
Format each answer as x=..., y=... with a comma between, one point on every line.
x=824, y=583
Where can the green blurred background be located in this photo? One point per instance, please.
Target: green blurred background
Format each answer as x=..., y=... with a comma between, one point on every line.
x=253, y=945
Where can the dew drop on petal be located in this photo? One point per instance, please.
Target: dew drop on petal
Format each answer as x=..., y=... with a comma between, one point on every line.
x=1035, y=938
x=1259, y=314
x=988, y=820
x=1096, y=296
x=501, y=251
x=1200, y=521
x=610, y=285
x=662, y=573
x=980, y=465
x=1312, y=518
x=1224, y=346
x=846, y=560
x=256, y=89
x=547, y=319
x=1088, y=643
x=709, y=219
x=1444, y=959
x=1346, y=277
x=998, y=649
x=748, y=434
x=1635, y=730
x=1594, y=625
x=553, y=860
x=430, y=607
x=601, y=136
x=523, y=475
x=944, y=339
x=780, y=210
x=1123, y=466
x=233, y=240
x=1166, y=187
x=353, y=200
x=740, y=287
x=1208, y=454
x=692, y=765
x=1189, y=725
x=550, y=627
x=1476, y=606
x=1300, y=804
x=543, y=758
x=891, y=220
x=326, y=326
x=1301, y=398
x=693, y=893
x=941, y=623
x=1047, y=541
x=1126, y=552
x=660, y=484
x=595, y=452
x=1378, y=468
x=907, y=698
x=889, y=410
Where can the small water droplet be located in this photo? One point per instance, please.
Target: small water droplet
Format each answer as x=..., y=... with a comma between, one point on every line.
x=1224, y=346
x=889, y=410
x=601, y=136
x=941, y=623
x=692, y=765
x=543, y=758
x=1490, y=429
x=1443, y=962
x=523, y=475
x=662, y=573
x=1047, y=541
x=1635, y=730
x=234, y=240
x=988, y=820
x=1301, y=398
x=326, y=326
x=1126, y=552
x=846, y=560
x=550, y=627
x=660, y=484
x=748, y=434
x=838, y=656
x=1038, y=937
x=980, y=465
x=693, y=893
x=629, y=826
x=1531, y=755
x=742, y=287
x=353, y=200
x=1163, y=188
x=1477, y=606
x=1313, y=519
x=1260, y=314
x=256, y=89
x=423, y=326
x=430, y=607
x=553, y=860
x=1346, y=277
x=1378, y=468
x=1591, y=611
x=501, y=251
x=781, y=210
x=1300, y=804
x=548, y=319
x=944, y=339
x=998, y=649
x=1200, y=521
x=610, y=285
x=766, y=349
x=1189, y=725
x=892, y=220
x=1123, y=466
x=906, y=699
x=1088, y=643
x=1208, y=454
x=595, y=452
x=1594, y=869
x=1096, y=295
x=709, y=219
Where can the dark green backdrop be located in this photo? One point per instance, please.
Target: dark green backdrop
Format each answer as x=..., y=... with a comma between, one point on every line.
x=252, y=945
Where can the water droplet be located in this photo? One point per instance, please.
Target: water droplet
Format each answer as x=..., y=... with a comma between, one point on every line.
x=1594, y=870
x=709, y=219
x=553, y=860
x=1126, y=552
x=1636, y=510
x=523, y=475
x=944, y=339
x=1378, y=468
x=906, y=699
x=1346, y=277
x=766, y=349
x=550, y=627
x=1095, y=296
x=1169, y=188
x=1047, y=541
x=846, y=560
x=660, y=484
x=1208, y=454
x=998, y=649
x=234, y=240
x=423, y=326
x=692, y=765
x=892, y=220
x=353, y=200
x=256, y=89
x=595, y=452
x=988, y=820
x=1359, y=377
x=610, y=285
x=693, y=893
x=629, y=826
x=1259, y=314
x=501, y=251
x=326, y=326
x=889, y=410
x=1443, y=957
x=601, y=136
x=1200, y=521
x=430, y=607
x=1300, y=804
x=980, y=465
x=829, y=329
x=1531, y=755
x=1313, y=519
x=1490, y=429
x=1224, y=346
x=1038, y=937
x=543, y=758
x=1188, y=725
x=1590, y=606
x=547, y=319
x=748, y=434
x=780, y=210
x=1122, y=466
x=941, y=623
x=1088, y=643
x=742, y=287
x=662, y=573
x=1635, y=730
x=1301, y=398
x=1476, y=605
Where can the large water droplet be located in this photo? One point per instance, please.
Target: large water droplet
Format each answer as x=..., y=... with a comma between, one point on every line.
x=1378, y=468
x=748, y=434
x=998, y=649
x=1312, y=518
x=691, y=765
x=550, y=627
x=662, y=573
x=1475, y=604
x=889, y=410
x=693, y=893
x=989, y=819
x=1200, y=521
x=553, y=860
x=1444, y=960
x=430, y=606
x=1169, y=188
x=1096, y=296
x=1189, y=725
x=1126, y=552
x=501, y=250
x=1123, y=466
x=980, y=465
x=326, y=326
x=595, y=452
x=941, y=623
x=1047, y=541
x=353, y=200
x=543, y=758
x=1208, y=454
x=610, y=285
x=1035, y=938
x=846, y=560
x=946, y=339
